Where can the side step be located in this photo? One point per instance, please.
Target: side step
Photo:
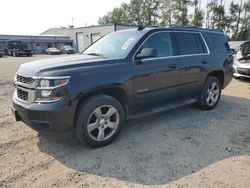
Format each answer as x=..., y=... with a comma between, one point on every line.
x=161, y=108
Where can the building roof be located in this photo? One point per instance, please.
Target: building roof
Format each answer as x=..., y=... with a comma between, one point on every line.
x=86, y=27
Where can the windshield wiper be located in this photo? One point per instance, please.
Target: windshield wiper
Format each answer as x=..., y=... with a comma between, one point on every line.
x=96, y=54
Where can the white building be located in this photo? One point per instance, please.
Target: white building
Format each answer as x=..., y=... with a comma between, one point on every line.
x=82, y=37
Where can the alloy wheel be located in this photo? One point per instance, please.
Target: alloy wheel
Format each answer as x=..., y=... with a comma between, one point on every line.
x=213, y=94
x=103, y=123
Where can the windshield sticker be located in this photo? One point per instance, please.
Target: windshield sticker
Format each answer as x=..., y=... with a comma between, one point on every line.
x=127, y=44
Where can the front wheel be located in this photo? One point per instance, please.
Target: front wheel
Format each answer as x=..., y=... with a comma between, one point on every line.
x=210, y=94
x=99, y=121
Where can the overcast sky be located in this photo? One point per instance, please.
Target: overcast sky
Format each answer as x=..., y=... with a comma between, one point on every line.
x=35, y=16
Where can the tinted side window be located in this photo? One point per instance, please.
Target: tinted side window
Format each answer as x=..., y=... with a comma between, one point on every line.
x=219, y=42
x=201, y=44
x=161, y=42
x=187, y=43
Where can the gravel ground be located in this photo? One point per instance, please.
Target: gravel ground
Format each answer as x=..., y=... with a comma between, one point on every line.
x=185, y=147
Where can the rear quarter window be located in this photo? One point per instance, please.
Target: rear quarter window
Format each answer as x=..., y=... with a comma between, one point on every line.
x=219, y=42
x=189, y=43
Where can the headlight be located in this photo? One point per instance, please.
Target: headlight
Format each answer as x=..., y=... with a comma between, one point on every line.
x=49, y=89
x=52, y=83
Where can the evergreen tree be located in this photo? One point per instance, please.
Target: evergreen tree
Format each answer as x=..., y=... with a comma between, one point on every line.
x=234, y=22
x=181, y=12
x=198, y=14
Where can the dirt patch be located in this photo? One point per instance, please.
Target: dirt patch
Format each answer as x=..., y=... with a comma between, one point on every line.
x=242, y=138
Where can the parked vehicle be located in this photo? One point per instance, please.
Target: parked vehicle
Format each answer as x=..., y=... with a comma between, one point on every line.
x=53, y=51
x=1, y=53
x=235, y=46
x=67, y=50
x=124, y=75
x=242, y=62
x=17, y=48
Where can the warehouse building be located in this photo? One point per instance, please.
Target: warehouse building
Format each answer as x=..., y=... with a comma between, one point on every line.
x=37, y=43
x=82, y=37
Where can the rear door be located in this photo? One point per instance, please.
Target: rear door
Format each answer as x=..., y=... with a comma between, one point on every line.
x=157, y=79
x=194, y=60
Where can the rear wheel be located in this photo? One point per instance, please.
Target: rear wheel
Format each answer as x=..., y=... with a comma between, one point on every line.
x=99, y=121
x=210, y=94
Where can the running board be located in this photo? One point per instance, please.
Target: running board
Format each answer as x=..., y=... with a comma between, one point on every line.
x=161, y=108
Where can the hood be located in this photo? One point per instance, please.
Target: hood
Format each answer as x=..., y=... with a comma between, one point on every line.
x=53, y=66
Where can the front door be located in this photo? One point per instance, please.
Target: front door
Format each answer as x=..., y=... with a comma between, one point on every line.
x=157, y=79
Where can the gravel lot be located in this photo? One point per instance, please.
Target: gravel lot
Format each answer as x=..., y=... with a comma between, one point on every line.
x=186, y=147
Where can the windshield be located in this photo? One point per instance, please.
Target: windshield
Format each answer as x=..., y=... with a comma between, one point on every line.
x=114, y=45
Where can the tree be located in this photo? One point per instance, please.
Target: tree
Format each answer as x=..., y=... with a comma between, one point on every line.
x=198, y=14
x=234, y=21
x=150, y=12
x=137, y=12
x=166, y=12
x=219, y=16
x=236, y=18
x=244, y=31
x=180, y=10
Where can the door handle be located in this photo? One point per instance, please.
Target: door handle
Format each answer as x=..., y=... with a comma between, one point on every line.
x=173, y=66
x=204, y=62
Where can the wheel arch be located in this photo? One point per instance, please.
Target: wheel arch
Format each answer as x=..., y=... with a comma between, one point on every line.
x=116, y=92
x=219, y=74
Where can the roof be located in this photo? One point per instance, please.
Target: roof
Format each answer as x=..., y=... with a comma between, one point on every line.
x=85, y=27
x=33, y=36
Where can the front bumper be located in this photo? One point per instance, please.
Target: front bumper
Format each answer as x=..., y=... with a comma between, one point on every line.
x=241, y=71
x=58, y=116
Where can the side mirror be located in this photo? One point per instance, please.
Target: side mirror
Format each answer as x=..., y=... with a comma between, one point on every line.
x=146, y=53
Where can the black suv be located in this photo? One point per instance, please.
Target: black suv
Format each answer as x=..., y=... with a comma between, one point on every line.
x=124, y=75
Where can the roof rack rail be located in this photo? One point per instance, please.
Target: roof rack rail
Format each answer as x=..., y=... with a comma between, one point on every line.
x=140, y=27
x=193, y=27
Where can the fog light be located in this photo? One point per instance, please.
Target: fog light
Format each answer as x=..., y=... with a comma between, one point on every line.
x=46, y=93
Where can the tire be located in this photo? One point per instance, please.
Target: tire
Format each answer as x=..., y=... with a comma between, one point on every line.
x=99, y=121
x=210, y=94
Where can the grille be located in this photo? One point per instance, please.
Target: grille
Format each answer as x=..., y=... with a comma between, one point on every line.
x=23, y=95
x=24, y=79
x=244, y=71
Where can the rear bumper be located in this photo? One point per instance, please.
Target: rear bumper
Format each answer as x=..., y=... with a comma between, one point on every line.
x=52, y=116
